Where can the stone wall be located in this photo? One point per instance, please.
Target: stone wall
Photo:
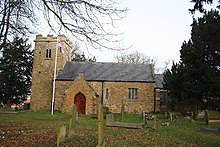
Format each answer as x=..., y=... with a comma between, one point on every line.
x=43, y=69
x=80, y=86
x=42, y=82
x=157, y=100
x=117, y=93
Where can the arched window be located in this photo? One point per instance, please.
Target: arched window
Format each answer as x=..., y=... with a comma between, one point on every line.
x=48, y=53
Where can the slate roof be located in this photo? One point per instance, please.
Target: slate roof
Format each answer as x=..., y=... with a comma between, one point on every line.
x=159, y=80
x=97, y=71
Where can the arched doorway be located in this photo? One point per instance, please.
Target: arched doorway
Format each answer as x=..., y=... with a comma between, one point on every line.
x=80, y=102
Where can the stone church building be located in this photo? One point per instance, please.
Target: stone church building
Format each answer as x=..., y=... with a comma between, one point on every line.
x=87, y=83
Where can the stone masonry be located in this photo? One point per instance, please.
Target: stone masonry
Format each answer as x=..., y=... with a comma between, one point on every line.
x=118, y=93
x=66, y=90
x=43, y=69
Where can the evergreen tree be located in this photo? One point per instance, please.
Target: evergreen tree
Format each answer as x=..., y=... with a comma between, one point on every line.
x=199, y=5
x=15, y=71
x=173, y=81
x=199, y=74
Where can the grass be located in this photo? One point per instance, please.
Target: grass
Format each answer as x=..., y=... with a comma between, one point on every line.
x=39, y=129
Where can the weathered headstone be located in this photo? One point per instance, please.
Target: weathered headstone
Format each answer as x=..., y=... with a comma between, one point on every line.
x=206, y=117
x=171, y=117
x=155, y=123
x=122, y=109
x=100, y=127
x=109, y=119
x=143, y=115
x=73, y=118
x=61, y=134
x=149, y=123
x=201, y=115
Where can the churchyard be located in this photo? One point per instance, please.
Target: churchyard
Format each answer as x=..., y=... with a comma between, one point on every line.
x=40, y=129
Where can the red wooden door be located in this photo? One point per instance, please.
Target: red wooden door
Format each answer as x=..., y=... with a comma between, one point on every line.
x=80, y=102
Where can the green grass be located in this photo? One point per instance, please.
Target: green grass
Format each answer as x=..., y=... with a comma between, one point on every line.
x=39, y=129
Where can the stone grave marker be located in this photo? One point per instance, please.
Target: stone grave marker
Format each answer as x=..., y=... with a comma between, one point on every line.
x=61, y=134
x=206, y=117
x=122, y=111
x=171, y=117
x=155, y=123
x=109, y=119
x=101, y=142
x=73, y=119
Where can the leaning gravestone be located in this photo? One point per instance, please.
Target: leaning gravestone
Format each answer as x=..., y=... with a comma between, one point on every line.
x=61, y=134
x=73, y=119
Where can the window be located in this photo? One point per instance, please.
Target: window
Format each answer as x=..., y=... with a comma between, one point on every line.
x=106, y=93
x=132, y=93
x=48, y=53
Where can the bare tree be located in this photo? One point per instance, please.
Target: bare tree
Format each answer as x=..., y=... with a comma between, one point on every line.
x=135, y=57
x=88, y=21
x=15, y=15
x=166, y=65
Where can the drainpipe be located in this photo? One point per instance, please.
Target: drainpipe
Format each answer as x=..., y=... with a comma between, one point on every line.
x=154, y=100
x=102, y=92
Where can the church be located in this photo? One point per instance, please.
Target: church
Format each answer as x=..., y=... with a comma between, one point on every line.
x=88, y=83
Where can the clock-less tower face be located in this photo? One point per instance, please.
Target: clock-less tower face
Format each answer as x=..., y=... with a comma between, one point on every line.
x=43, y=68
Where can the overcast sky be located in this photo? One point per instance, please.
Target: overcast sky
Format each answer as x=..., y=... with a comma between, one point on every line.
x=156, y=28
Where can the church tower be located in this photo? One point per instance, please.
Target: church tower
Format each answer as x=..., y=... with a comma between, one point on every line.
x=43, y=68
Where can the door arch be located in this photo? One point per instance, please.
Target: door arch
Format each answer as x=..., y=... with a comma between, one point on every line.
x=80, y=101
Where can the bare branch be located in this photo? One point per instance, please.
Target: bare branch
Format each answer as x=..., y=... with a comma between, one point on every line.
x=91, y=22
x=135, y=57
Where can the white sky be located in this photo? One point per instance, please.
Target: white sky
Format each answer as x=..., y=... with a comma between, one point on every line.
x=156, y=28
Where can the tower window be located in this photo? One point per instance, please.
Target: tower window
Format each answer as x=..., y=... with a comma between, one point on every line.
x=48, y=53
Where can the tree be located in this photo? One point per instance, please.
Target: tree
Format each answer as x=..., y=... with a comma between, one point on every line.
x=15, y=71
x=88, y=21
x=199, y=5
x=79, y=56
x=135, y=57
x=82, y=58
x=173, y=81
x=199, y=73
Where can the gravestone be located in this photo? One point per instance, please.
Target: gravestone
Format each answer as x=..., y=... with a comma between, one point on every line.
x=171, y=117
x=61, y=134
x=149, y=123
x=109, y=119
x=73, y=119
x=101, y=142
x=155, y=123
x=122, y=110
x=206, y=117
x=201, y=115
